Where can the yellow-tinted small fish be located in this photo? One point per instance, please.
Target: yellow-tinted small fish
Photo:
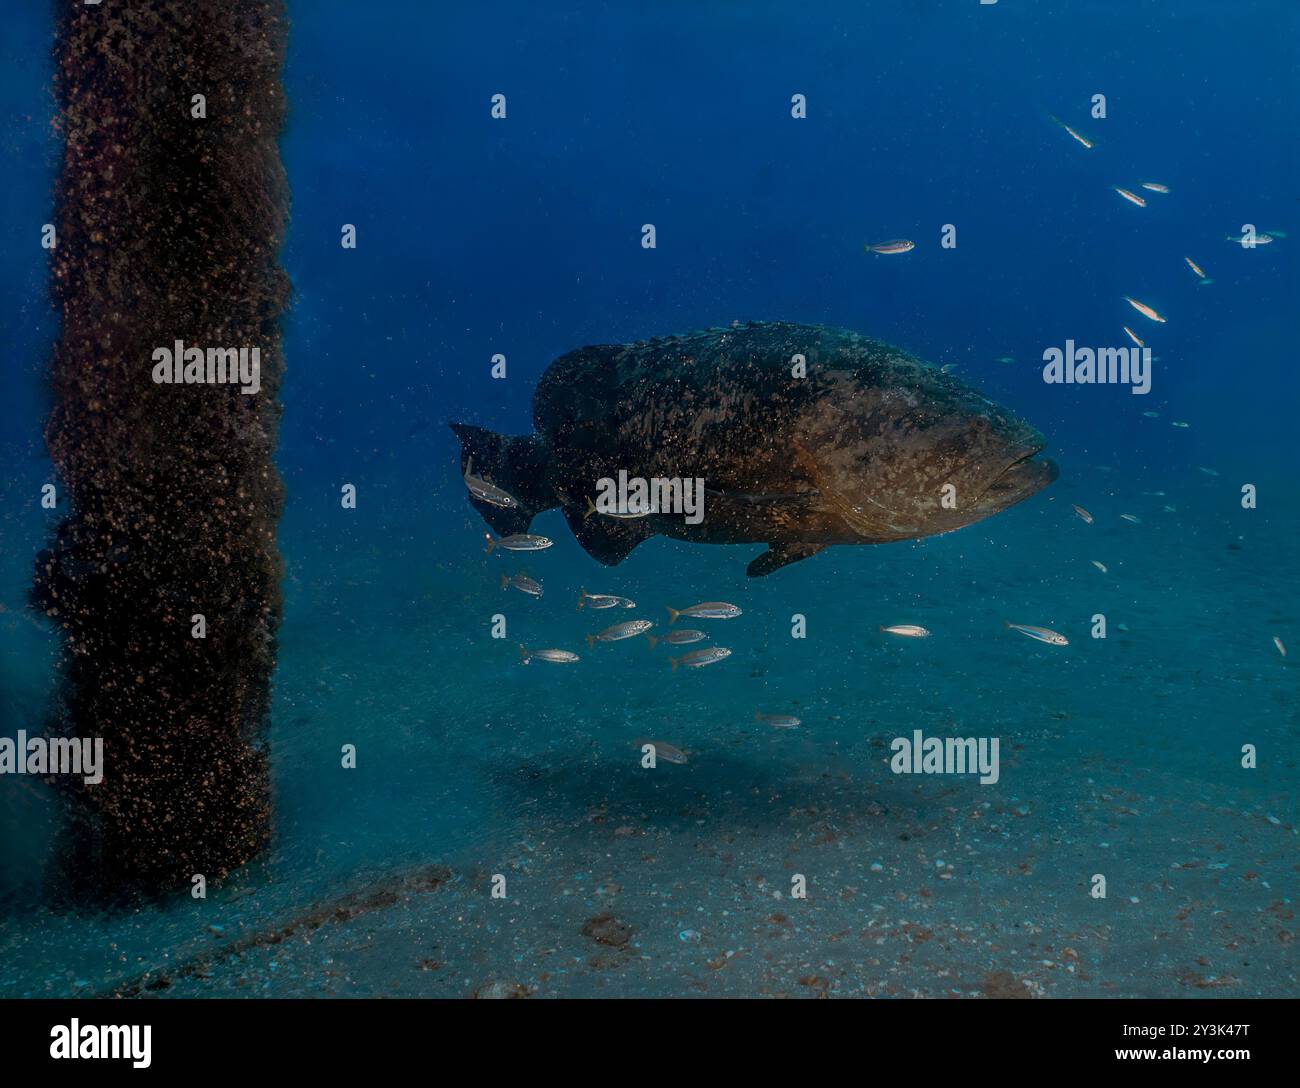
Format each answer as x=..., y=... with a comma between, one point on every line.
x=1155, y=186
x=558, y=657
x=602, y=600
x=1281, y=647
x=1132, y=198
x=1042, y=634
x=1082, y=513
x=906, y=630
x=523, y=583
x=709, y=610
x=778, y=721
x=1245, y=241
x=1100, y=566
x=898, y=245
x=680, y=637
x=1082, y=139
x=1132, y=517
x=697, y=659
x=1144, y=309
x=669, y=753
x=629, y=629
x=1194, y=267
x=1134, y=337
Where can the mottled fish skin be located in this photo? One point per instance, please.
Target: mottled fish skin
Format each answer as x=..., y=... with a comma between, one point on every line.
x=1042, y=634
x=697, y=659
x=620, y=631
x=709, y=610
x=881, y=432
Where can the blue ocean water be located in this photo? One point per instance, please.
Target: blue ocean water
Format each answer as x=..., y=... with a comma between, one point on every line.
x=522, y=237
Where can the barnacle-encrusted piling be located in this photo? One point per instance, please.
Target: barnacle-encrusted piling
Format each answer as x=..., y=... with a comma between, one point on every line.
x=169, y=215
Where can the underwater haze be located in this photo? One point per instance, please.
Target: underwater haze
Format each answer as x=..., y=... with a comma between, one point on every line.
x=1140, y=838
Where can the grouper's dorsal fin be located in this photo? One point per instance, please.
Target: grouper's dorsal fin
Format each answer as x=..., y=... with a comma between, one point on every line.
x=607, y=540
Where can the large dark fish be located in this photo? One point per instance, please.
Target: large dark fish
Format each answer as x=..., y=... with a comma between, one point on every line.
x=857, y=452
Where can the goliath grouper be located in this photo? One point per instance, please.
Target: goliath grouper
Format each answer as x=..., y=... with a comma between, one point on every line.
x=861, y=450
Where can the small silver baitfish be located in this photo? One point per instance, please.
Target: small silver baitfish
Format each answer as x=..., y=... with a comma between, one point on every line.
x=1042, y=634
x=602, y=600
x=522, y=583
x=486, y=492
x=709, y=610
x=697, y=659
x=518, y=542
x=558, y=657
x=669, y=753
x=898, y=245
x=778, y=721
x=591, y=509
x=630, y=629
x=680, y=637
x=907, y=630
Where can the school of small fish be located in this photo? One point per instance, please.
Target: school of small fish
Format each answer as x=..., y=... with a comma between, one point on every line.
x=485, y=491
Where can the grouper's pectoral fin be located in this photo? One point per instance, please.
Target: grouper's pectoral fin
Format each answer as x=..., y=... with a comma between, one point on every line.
x=781, y=555
x=607, y=540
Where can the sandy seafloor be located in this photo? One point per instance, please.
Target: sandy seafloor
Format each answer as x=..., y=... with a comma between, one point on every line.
x=1119, y=757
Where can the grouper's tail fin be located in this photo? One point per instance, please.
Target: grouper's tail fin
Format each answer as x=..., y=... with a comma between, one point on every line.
x=515, y=464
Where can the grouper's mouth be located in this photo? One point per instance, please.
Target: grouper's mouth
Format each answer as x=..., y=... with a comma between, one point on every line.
x=1025, y=476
